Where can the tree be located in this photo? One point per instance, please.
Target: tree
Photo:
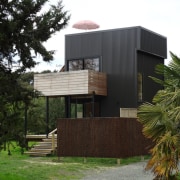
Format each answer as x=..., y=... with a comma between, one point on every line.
x=16, y=96
x=24, y=27
x=23, y=30
x=56, y=111
x=36, y=116
x=161, y=122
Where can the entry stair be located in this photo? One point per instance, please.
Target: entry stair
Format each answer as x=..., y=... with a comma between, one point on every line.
x=48, y=146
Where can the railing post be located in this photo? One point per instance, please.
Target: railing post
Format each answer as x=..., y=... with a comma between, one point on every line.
x=53, y=142
x=53, y=139
x=25, y=126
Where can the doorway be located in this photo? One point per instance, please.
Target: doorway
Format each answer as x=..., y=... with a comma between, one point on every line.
x=80, y=106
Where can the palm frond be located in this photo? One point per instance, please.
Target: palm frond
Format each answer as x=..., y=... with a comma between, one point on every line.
x=161, y=121
x=154, y=120
x=164, y=161
x=175, y=63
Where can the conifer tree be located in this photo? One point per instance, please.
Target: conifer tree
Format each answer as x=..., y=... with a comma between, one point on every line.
x=25, y=25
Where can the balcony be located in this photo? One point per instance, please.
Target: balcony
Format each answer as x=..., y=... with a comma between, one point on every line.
x=83, y=82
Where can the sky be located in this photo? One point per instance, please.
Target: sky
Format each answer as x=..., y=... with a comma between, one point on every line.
x=160, y=16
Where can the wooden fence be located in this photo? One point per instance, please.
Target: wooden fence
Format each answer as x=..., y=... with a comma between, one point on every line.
x=101, y=137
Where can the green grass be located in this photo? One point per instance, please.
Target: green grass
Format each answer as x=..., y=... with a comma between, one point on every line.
x=23, y=167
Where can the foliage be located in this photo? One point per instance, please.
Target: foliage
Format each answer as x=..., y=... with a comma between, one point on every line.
x=37, y=114
x=56, y=111
x=15, y=93
x=25, y=27
x=161, y=122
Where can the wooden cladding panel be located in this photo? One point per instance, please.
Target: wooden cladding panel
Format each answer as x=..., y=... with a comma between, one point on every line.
x=97, y=82
x=101, y=137
x=71, y=83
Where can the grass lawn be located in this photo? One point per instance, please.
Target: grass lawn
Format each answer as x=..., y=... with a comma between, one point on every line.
x=23, y=167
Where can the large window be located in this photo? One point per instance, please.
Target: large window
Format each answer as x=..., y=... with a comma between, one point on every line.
x=75, y=65
x=86, y=63
x=92, y=64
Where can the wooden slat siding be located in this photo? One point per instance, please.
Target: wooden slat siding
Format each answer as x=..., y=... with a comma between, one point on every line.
x=97, y=83
x=71, y=83
x=64, y=83
x=101, y=137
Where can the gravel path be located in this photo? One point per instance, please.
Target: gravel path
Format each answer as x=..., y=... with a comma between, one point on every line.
x=133, y=171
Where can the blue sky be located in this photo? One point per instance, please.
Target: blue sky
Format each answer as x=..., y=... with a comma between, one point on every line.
x=161, y=16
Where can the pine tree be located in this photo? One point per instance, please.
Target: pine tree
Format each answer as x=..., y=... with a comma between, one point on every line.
x=24, y=27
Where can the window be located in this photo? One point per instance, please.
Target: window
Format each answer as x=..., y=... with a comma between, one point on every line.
x=92, y=64
x=87, y=63
x=75, y=65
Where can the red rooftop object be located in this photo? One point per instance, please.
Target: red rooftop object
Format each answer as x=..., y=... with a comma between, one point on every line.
x=86, y=25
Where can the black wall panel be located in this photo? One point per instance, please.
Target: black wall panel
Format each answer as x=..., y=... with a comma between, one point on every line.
x=146, y=65
x=123, y=53
x=153, y=43
x=118, y=62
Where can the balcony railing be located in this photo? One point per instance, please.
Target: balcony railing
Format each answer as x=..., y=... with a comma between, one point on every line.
x=71, y=83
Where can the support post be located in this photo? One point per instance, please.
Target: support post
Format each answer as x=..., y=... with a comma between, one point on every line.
x=93, y=99
x=85, y=159
x=25, y=126
x=76, y=109
x=118, y=161
x=66, y=107
x=53, y=142
x=47, y=116
x=142, y=158
x=69, y=106
x=25, y=120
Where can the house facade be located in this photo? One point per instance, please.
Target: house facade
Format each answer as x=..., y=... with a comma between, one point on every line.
x=106, y=78
x=127, y=56
x=106, y=72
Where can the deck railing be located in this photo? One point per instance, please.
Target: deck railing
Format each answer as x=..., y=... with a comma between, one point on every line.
x=71, y=83
x=52, y=133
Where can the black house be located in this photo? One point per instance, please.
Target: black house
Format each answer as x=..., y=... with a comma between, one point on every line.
x=127, y=56
x=106, y=77
x=106, y=72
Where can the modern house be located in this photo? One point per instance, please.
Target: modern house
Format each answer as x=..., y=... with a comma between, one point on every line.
x=106, y=70
x=106, y=73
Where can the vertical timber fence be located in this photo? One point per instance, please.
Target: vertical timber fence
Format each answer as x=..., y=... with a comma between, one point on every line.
x=101, y=137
